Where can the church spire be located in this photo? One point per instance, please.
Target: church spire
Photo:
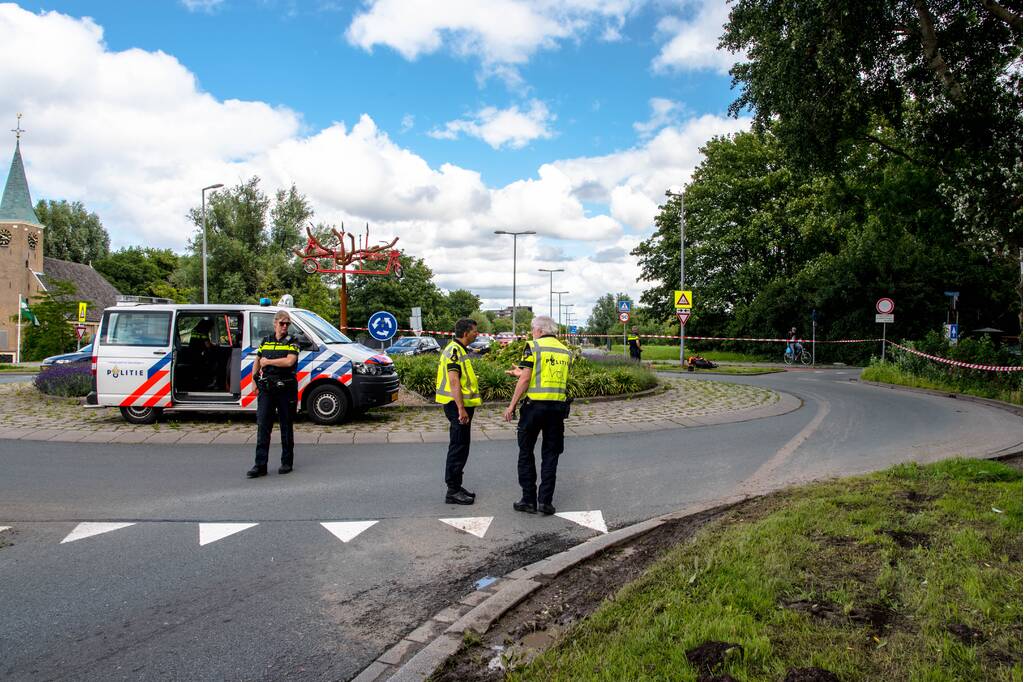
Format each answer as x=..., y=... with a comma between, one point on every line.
x=16, y=204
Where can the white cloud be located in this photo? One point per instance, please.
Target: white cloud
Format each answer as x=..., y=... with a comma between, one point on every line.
x=663, y=112
x=502, y=34
x=693, y=43
x=502, y=127
x=202, y=5
x=408, y=122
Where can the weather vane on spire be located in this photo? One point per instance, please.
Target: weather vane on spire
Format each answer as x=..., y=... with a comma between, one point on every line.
x=18, y=129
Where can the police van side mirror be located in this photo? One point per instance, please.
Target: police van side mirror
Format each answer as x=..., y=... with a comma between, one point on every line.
x=304, y=342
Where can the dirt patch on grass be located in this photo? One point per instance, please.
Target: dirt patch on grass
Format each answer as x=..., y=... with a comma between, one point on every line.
x=534, y=625
x=710, y=656
x=809, y=675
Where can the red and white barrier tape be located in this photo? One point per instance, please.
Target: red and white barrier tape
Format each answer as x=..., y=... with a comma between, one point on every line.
x=411, y=331
x=958, y=363
x=724, y=338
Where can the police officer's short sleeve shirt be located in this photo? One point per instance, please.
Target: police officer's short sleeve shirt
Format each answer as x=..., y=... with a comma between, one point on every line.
x=272, y=348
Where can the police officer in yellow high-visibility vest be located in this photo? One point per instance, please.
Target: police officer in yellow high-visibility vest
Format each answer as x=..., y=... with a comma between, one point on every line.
x=457, y=389
x=635, y=349
x=274, y=374
x=543, y=377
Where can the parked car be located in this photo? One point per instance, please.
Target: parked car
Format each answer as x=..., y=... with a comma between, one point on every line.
x=505, y=338
x=82, y=355
x=481, y=345
x=414, y=345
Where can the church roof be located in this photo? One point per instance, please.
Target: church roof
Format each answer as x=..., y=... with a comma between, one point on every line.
x=16, y=205
x=91, y=286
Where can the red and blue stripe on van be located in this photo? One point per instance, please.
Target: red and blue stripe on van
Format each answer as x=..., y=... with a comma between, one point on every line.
x=155, y=391
x=312, y=366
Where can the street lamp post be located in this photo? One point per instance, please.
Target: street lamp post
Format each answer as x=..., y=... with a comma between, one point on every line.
x=515, y=247
x=566, y=306
x=559, y=294
x=551, y=289
x=217, y=186
x=682, y=268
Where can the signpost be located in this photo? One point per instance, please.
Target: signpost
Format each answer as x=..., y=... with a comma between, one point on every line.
x=624, y=318
x=884, y=307
x=682, y=300
x=683, y=316
x=382, y=326
x=82, y=306
x=79, y=332
x=416, y=321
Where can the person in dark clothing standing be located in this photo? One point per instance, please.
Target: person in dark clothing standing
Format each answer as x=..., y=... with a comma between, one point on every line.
x=457, y=389
x=274, y=374
x=543, y=376
x=634, y=344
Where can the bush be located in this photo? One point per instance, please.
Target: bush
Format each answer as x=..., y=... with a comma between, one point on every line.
x=67, y=381
x=586, y=379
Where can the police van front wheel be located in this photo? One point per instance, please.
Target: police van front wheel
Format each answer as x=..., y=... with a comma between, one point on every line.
x=327, y=405
x=140, y=415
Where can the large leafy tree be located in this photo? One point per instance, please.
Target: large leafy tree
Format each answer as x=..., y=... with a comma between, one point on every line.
x=72, y=233
x=463, y=303
x=370, y=293
x=936, y=83
x=249, y=243
x=142, y=271
x=53, y=310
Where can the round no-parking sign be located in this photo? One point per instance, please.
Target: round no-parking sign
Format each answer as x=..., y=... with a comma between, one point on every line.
x=623, y=318
x=884, y=306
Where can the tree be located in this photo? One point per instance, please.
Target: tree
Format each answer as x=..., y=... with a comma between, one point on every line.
x=936, y=83
x=53, y=309
x=604, y=316
x=142, y=271
x=72, y=233
x=370, y=293
x=247, y=257
x=462, y=303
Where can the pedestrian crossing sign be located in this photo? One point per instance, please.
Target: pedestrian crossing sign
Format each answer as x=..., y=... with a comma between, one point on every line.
x=624, y=306
x=683, y=299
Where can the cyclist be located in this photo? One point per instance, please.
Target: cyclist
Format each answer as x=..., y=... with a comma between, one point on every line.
x=794, y=348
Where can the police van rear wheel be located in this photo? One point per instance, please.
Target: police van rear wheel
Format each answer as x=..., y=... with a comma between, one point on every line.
x=327, y=405
x=140, y=415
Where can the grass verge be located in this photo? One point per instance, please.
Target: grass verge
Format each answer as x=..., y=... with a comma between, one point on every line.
x=910, y=574
x=721, y=369
x=888, y=373
x=672, y=353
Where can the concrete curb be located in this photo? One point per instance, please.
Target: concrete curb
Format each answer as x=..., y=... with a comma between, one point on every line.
x=999, y=404
x=415, y=658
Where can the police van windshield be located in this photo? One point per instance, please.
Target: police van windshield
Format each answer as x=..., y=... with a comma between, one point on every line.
x=324, y=329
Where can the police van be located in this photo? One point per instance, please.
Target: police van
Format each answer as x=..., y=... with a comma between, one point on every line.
x=153, y=358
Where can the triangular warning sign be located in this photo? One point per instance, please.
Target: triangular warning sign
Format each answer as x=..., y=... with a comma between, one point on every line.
x=683, y=316
x=683, y=299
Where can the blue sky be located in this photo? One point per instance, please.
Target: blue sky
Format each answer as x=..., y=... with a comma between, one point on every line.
x=436, y=122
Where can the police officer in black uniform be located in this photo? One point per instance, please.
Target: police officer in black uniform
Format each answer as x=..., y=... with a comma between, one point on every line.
x=274, y=373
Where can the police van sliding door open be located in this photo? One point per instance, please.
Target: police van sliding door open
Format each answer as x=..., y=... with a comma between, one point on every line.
x=207, y=357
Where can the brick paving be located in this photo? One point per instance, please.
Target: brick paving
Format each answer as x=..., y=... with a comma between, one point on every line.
x=27, y=414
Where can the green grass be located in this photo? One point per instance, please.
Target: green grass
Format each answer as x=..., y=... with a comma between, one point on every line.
x=17, y=369
x=893, y=374
x=752, y=577
x=672, y=353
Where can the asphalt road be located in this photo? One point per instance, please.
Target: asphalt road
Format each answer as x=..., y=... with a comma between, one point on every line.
x=286, y=598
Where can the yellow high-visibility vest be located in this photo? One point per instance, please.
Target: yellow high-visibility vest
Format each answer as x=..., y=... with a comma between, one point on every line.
x=455, y=353
x=551, y=361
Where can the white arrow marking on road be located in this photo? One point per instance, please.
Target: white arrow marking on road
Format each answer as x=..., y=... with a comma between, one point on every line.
x=475, y=525
x=3, y=528
x=211, y=532
x=587, y=519
x=347, y=530
x=89, y=528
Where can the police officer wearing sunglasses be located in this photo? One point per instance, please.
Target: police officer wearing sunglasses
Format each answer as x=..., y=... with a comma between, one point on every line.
x=274, y=374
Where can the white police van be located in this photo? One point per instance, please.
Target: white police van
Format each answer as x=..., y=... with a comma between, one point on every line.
x=153, y=358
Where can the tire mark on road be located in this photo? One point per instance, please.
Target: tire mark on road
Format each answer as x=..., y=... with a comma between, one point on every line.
x=757, y=482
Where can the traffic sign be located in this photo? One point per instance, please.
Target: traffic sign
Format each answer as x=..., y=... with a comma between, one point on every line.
x=886, y=318
x=623, y=318
x=82, y=305
x=885, y=306
x=573, y=329
x=382, y=325
x=683, y=299
x=683, y=316
x=79, y=331
x=625, y=306
x=952, y=332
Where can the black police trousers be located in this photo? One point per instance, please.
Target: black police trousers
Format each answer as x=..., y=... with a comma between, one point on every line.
x=538, y=417
x=282, y=403
x=458, y=445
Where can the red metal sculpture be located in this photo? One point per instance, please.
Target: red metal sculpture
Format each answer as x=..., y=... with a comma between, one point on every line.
x=314, y=254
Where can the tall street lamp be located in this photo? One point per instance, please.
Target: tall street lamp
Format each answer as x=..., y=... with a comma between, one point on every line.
x=217, y=186
x=551, y=289
x=559, y=295
x=566, y=306
x=515, y=247
x=682, y=266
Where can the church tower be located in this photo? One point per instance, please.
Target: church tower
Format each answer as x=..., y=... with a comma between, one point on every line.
x=21, y=250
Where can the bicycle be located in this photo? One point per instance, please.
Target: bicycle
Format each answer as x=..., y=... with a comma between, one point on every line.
x=791, y=355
